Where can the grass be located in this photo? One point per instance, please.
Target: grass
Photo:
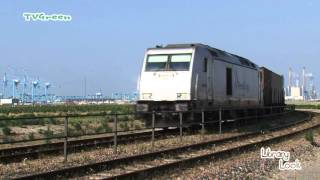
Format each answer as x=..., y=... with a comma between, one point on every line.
x=309, y=136
x=48, y=134
x=32, y=121
x=304, y=104
x=6, y=131
x=137, y=127
x=124, y=126
x=31, y=136
x=264, y=125
x=105, y=126
x=77, y=125
x=112, y=108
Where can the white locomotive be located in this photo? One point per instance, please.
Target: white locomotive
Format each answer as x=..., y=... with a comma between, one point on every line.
x=183, y=77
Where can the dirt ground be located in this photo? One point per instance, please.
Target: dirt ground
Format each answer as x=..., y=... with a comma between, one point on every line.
x=310, y=169
x=249, y=165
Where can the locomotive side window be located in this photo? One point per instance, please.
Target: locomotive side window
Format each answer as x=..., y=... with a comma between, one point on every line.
x=205, y=65
x=229, y=81
x=156, y=62
x=180, y=62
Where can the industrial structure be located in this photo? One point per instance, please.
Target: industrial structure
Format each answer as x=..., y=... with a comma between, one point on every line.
x=26, y=90
x=300, y=86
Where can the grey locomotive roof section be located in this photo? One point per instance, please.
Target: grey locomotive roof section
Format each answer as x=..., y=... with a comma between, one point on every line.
x=219, y=54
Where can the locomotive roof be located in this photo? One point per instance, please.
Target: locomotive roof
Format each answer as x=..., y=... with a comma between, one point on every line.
x=220, y=54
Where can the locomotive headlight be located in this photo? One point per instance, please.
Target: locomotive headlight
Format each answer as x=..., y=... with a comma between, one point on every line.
x=146, y=95
x=182, y=96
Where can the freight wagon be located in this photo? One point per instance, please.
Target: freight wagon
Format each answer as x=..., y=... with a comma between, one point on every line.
x=272, y=86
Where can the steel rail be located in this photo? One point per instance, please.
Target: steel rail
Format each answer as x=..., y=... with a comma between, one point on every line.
x=33, y=151
x=143, y=173
x=109, y=164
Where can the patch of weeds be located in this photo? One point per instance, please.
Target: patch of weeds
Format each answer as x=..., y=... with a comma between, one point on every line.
x=264, y=126
x=210, y=131
x=203, y=131
x=125, y=118
x=105, y=126
x=6, y=131
x=124, y=126
x=99, y=129
x=309, y=136
x=73, y=132
x=41, y=131
x=48, y=134
x=131, y=123
x=7, y=139
x=3, y=123
x=53, y=121
x=137, y=127
x=87, y=127
x=78, y=127
x=31, y=136
x=41, y=122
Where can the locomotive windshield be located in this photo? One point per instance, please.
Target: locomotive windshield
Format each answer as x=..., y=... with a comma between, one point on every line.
x=170, y=62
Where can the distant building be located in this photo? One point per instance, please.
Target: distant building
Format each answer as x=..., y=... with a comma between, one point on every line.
x=294, y=94
x=9, y=101
x=303, y=88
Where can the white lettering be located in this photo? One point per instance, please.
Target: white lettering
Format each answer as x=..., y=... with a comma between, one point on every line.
x=283, y=156
x=45, y=17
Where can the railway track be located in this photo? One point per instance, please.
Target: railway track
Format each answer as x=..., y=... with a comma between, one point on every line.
x=16, y=154
x=142, y=165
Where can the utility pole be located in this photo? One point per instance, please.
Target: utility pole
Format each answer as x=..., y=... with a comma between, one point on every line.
x=303, y=82
x=4, y=84
x=85, y=88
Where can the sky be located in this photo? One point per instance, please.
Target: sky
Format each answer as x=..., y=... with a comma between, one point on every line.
x=106, y=40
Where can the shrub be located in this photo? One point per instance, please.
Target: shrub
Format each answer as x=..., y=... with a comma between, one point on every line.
x=87, y=126
x=264, y=125
x=41, y=122
x=33, y=122
x=99, y=129
x=41, y=131
x=126, y=118
x=124, y=126
x=309, y=136
x=7, y=139
x=48, y=134
x=3, y=123
x=137, y=127
x=53, y=121
x=73, y=132
x=31, y=136
x=105, y=126
x=6, y=131
x=131, y=121
x=67, y=108
x=78, y=127
x=203, y=131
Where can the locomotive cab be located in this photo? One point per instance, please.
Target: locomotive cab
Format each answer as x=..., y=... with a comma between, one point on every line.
x=165, y=81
